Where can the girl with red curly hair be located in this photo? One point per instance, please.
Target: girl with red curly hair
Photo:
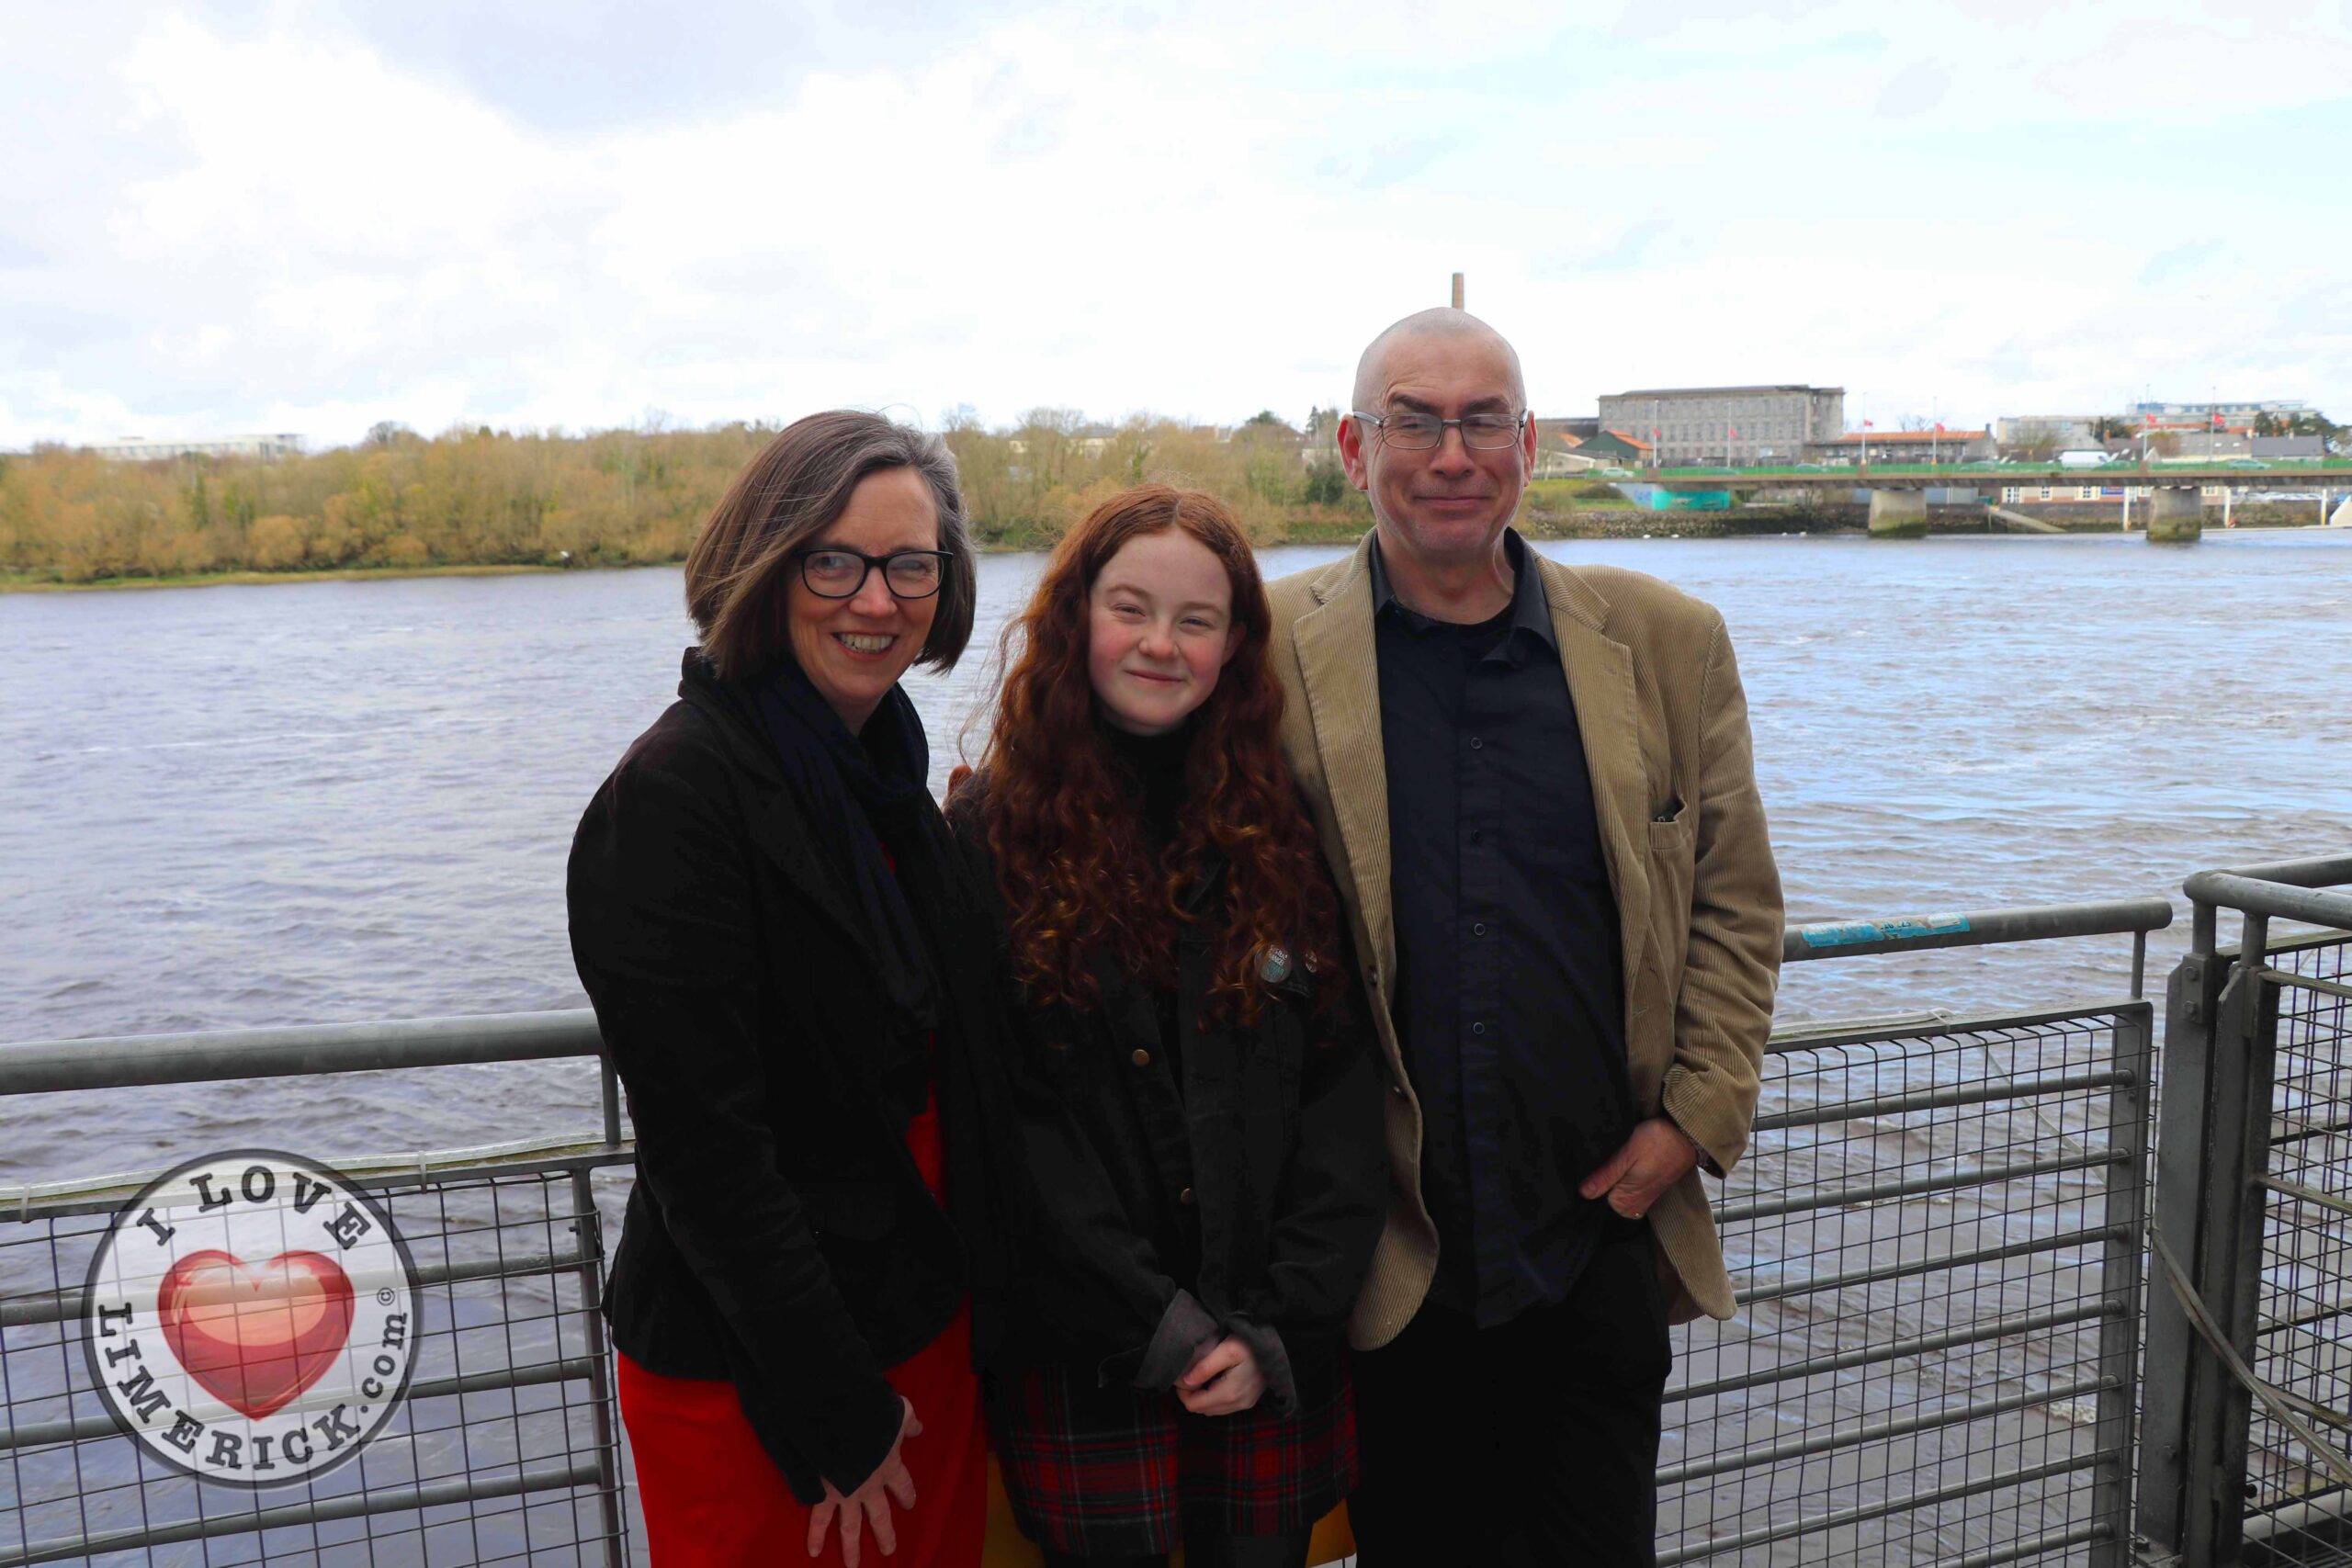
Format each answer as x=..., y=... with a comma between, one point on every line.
x=1200, y=1111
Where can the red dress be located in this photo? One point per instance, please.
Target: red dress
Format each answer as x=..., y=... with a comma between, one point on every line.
x=713, y=1498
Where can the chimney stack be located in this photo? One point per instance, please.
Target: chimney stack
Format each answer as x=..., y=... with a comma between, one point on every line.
x=1457, y=291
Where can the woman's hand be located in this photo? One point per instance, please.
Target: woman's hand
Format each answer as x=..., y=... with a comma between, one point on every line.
x=1223, y=1380
x=870, y=1504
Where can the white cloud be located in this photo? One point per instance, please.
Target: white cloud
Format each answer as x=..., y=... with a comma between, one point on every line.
x=2000, y=205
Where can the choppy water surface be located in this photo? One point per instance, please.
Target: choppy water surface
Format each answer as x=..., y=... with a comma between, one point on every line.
x=334, y=801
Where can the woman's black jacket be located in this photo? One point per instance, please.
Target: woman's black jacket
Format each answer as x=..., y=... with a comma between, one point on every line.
x=779, y=1233
x=1246, y=1196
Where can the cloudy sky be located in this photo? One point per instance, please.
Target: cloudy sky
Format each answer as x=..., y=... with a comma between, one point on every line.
x=233, y=216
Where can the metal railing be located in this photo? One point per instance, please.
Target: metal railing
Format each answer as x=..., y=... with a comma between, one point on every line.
x=2249, y=1386
x=1934, y=1244
x=507, y=1448
x=1935, y=1239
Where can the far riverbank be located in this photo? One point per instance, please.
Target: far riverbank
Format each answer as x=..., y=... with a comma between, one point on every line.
x=1537, y=520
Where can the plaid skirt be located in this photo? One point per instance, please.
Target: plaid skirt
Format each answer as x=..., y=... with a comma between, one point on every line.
x=1120, y=1472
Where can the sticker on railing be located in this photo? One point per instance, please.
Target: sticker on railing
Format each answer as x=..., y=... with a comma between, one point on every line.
x=1852, y=933
x=251, y=1318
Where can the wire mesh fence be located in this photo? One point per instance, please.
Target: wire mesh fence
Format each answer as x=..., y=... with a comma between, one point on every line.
x=505, y=1450
x=2302, y=1344
x=1935, y=1241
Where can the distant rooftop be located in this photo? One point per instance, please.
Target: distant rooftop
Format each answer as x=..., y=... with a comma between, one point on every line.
x=1725, y=391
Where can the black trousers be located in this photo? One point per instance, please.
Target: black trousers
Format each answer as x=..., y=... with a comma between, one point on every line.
x=1529, y=1445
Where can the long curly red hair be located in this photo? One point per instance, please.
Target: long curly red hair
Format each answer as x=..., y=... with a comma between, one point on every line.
x=1072, y=855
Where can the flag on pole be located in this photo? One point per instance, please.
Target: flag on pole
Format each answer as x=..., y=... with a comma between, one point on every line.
x=1868, y=425
x=1939, y=428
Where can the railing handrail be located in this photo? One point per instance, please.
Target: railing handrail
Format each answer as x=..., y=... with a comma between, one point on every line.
x=133, y=1061
x=1976, y=928
x=130, y=1061
x=2286, y=890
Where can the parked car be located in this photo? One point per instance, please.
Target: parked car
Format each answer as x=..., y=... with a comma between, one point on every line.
x=2084, y=459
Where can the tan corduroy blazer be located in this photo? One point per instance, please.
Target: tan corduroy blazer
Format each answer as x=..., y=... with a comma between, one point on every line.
x=1665, y=725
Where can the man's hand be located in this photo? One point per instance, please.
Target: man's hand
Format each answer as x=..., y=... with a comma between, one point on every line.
x=1223, y=1380
x=1655, y=1157
x=870, y=1504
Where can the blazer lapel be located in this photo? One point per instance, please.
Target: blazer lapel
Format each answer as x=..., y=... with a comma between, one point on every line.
x=1600, y=683
x=1338, y=666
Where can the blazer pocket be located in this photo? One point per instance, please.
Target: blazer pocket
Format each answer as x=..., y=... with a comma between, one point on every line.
x=860, y=1210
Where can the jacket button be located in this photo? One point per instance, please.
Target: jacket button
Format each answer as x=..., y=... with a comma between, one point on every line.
x=1141, y=1057
x=1185, y=1197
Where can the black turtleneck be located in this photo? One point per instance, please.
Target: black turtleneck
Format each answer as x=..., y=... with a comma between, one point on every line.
x=1157, y=763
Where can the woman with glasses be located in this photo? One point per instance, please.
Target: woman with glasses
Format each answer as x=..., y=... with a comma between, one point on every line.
x=1200, y=1114
x=791, y=979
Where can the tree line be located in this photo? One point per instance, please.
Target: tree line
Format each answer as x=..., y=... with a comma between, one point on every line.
x=484, y=497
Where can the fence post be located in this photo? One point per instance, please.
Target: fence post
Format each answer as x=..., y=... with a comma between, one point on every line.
x=2129, y=1108
x=590, y=1227
x=2184, y=1139
x=2212, y=1226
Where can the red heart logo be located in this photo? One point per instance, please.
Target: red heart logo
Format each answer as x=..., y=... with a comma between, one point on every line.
x=256, y=1338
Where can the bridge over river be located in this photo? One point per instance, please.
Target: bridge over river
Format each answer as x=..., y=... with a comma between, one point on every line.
x=1899, y=500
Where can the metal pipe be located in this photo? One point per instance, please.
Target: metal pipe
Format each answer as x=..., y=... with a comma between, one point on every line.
x=534, y=1375
x=2305, y=981
x=2035, y=1546
x=1716, y=1546
x=600, y=1388
x=1805, y=1448
x=1937, y=1099
x=1765, y=1208
x=2278, y=897
x=1920, y=1266
x=1896, y=1351
x=609, y=1088
x=128, y=1061
x=394, y=1500
x=1980, y=928
x=63, y=1306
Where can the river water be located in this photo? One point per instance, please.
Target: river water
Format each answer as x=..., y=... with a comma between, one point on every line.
x=341, y=801
x=334, y=801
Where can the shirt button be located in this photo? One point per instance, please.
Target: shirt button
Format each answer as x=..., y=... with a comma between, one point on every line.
x=1477, y=1029
x=1477, y=836
x=1475, y=743
x=1141, y=1058
x=1185, y=1197
x=1478, y=928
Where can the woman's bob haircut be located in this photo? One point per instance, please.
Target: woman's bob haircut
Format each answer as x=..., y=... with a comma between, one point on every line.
x=739, y=573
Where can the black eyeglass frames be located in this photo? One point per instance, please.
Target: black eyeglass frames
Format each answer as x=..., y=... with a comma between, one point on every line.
x=831, y=571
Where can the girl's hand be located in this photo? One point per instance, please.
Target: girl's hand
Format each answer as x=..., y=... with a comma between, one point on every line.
x=870, y=1504
x=1223, y=1380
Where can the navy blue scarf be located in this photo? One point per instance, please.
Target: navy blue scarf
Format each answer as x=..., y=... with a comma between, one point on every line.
x=867, y=801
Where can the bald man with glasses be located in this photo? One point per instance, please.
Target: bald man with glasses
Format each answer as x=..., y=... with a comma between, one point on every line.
x=1536, y=786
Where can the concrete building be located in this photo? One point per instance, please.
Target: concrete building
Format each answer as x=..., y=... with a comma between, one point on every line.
x=1903, y=446
x=1739, y=425
x=261, y=448
x=2226, y=414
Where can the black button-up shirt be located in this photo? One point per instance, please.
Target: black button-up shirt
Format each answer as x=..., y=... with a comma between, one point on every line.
x=1508, y=992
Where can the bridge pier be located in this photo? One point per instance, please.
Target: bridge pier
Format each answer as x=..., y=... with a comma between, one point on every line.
x=2175, y=514
x=1898, y=515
